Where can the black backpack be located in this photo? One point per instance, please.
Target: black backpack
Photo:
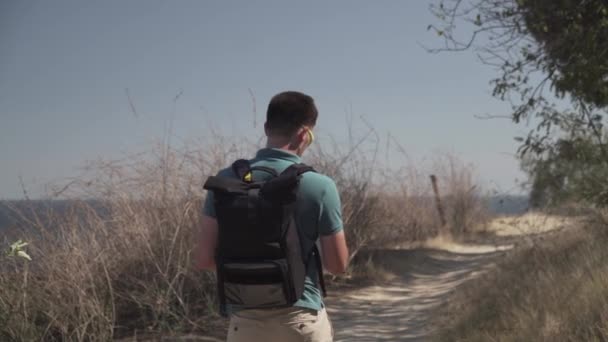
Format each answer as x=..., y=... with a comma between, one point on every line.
x=259, y=259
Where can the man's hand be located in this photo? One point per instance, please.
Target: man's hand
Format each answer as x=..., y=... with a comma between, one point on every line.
x=207, y=242
x=334, y=252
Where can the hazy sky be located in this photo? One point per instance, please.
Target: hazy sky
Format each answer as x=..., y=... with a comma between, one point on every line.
x=65, y=65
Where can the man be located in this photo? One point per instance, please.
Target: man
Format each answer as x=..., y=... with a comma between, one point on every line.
x=290, y=119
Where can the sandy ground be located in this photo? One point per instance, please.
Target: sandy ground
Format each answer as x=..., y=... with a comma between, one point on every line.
x=401, y=309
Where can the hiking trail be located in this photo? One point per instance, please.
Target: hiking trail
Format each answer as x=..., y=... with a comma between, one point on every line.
x=401, y=309
x=423, y=279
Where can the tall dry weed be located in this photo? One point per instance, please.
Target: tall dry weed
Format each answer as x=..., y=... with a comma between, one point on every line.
x=116, y=258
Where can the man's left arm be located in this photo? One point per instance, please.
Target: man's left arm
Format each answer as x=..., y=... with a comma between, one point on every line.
x=334, y=249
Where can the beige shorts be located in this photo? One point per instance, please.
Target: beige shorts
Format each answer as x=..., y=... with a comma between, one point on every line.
x=280, y=325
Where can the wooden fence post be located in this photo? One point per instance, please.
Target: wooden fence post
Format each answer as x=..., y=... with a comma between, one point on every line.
x=438, y=201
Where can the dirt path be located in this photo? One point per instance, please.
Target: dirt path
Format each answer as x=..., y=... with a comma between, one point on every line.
x=400, y=310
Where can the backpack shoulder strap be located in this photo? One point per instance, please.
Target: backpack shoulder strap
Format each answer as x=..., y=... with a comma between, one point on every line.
x=297, y=169
x=242, y=169
x=293, y=172
x=317, y=259
x=269, y=170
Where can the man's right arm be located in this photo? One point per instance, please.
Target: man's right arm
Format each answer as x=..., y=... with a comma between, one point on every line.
x=207, y=242
x=207, y=236
x=333, y=241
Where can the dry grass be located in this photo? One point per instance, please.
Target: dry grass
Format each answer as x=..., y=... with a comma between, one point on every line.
x=120, y=265
x=385, y=206
x=557, y=290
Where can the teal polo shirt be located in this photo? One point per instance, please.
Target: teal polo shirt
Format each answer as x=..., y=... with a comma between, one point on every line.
x=318, y=212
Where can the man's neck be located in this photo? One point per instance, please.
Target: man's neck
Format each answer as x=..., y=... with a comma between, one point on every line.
x=280, y=146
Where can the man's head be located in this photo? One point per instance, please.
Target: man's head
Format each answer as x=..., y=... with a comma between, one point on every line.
x=290, y=118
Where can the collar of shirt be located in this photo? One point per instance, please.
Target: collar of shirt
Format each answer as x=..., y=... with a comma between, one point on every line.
x=277, y=153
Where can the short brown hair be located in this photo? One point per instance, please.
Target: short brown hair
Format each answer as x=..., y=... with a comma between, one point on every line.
x=288, y=111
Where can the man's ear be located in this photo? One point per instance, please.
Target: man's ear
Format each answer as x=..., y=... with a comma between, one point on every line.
x=297, y=140
x=266, y=128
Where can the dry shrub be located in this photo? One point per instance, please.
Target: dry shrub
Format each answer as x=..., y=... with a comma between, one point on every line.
x=114, y=259
x=119, y=262
x=385, y=206
x=557, y=290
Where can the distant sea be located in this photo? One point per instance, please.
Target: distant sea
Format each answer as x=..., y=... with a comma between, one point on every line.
x=29, y=210
x=508, y=204
x=499, y=205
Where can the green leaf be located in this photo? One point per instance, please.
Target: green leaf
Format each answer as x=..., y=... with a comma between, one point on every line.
x=24, y=255
x=16, y=250
x=17, y=246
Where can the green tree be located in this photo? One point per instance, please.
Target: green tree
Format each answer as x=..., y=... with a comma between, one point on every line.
x=568, y=170
x=552, y=57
